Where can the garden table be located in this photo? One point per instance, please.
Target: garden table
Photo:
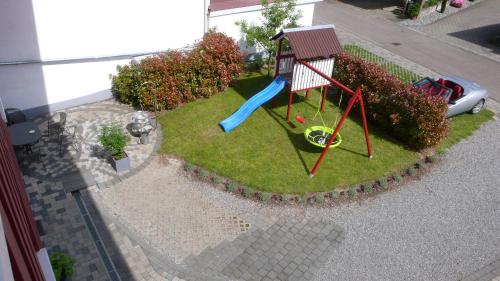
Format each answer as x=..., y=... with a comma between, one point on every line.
x=24, y=134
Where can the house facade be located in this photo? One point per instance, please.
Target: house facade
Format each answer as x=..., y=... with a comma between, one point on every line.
x=57, y=54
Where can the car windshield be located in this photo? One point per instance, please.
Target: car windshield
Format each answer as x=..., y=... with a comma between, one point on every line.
x=433, y=88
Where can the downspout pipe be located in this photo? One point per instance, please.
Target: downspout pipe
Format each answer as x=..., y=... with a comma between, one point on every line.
x=206, y=14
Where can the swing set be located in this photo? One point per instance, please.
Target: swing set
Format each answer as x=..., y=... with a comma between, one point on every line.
x=319, y=135
x=307, y=63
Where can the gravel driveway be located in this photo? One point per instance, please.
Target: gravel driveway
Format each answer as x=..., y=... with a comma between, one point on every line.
x=444, y=227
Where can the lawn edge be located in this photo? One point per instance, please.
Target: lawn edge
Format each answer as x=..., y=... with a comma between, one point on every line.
x=355, y=192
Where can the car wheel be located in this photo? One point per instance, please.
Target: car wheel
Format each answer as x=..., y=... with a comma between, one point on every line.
x=477, y=108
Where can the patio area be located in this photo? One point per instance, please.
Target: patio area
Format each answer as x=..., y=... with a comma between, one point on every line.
x=85, y=155
x=54, y=174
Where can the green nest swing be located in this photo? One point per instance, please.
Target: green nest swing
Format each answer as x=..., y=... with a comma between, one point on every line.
x=319, y=135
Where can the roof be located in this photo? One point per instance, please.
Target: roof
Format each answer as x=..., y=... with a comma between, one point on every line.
x=312, y=42
x=217, y=5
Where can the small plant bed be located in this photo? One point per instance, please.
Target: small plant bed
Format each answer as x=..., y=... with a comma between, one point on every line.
x=327, y=198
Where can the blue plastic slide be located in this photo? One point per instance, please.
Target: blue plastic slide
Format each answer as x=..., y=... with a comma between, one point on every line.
x=253, y=103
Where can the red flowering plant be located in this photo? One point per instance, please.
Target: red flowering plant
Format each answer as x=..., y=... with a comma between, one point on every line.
x=176, y=77
x=405, y=112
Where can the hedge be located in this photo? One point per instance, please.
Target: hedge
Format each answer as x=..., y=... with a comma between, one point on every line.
x=176, y=77
x=407, y=113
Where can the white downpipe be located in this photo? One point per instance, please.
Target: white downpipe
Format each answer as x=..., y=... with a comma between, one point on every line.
x=5, y=267
x=44, y=261
x=206, y=14
x=2, y=111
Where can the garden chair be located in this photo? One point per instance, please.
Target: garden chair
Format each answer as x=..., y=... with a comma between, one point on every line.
x=56, y=123
x=14, y=116
x=71, y=136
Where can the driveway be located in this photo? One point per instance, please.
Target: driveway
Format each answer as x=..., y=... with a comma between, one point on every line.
x=436, y=55
x=443, y=227
x=476, y=29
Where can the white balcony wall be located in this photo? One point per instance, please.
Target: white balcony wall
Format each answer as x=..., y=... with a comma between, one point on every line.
x=61, y=53
x=225, y=20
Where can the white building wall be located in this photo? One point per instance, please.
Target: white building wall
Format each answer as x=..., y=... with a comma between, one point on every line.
x=225, y=20
x=58, y=53
x=87, y=28
x=62, y=52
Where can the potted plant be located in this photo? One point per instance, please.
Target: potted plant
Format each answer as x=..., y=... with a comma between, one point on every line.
x=62, y=266
x=114, y=140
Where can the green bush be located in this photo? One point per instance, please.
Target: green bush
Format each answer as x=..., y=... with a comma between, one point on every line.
x=301, y=199
x=421, y=164
x=62, y=265
x=188, y=167
x=398, y=178
x=319, y=198
x=414, y=10
x=367, y=188
x=114, y=140
x=430, y=3
x=406, y=113
x=248, y=192
x=334, y=194
x=412, y=171
x=177, y=77
x=432, y=158
x=232, y=186
x=204, y=174
x=352, y=192
x=265, y=196
x=255, y=65
x=383, y=183
x=218, y=180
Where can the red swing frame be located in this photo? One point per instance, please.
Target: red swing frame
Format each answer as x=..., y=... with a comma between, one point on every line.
x=356, y=97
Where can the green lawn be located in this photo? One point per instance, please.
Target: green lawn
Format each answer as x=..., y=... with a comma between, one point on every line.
x=269, y=154
x=462, y=126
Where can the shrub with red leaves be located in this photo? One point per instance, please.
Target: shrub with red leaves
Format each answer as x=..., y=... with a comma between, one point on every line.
x=177, y=77
x=405, y=112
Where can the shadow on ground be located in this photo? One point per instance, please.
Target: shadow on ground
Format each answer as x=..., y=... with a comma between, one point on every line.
x=373, y=5
x=252, y=85
x=487, y=36
x=65, y=224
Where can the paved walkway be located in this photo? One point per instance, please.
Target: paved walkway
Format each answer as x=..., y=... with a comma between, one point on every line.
x=433, y=54
x=51, y=179
x=443, y=227
x=84, y=155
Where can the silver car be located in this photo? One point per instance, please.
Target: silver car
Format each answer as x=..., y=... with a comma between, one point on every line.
x=460, y=94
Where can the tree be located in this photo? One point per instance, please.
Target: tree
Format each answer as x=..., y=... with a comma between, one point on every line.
x=275, y=16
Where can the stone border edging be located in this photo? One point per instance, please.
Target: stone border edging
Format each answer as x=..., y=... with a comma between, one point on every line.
x=327, y=198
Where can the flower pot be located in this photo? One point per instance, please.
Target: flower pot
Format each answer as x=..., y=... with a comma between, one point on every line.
x=121, y=165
